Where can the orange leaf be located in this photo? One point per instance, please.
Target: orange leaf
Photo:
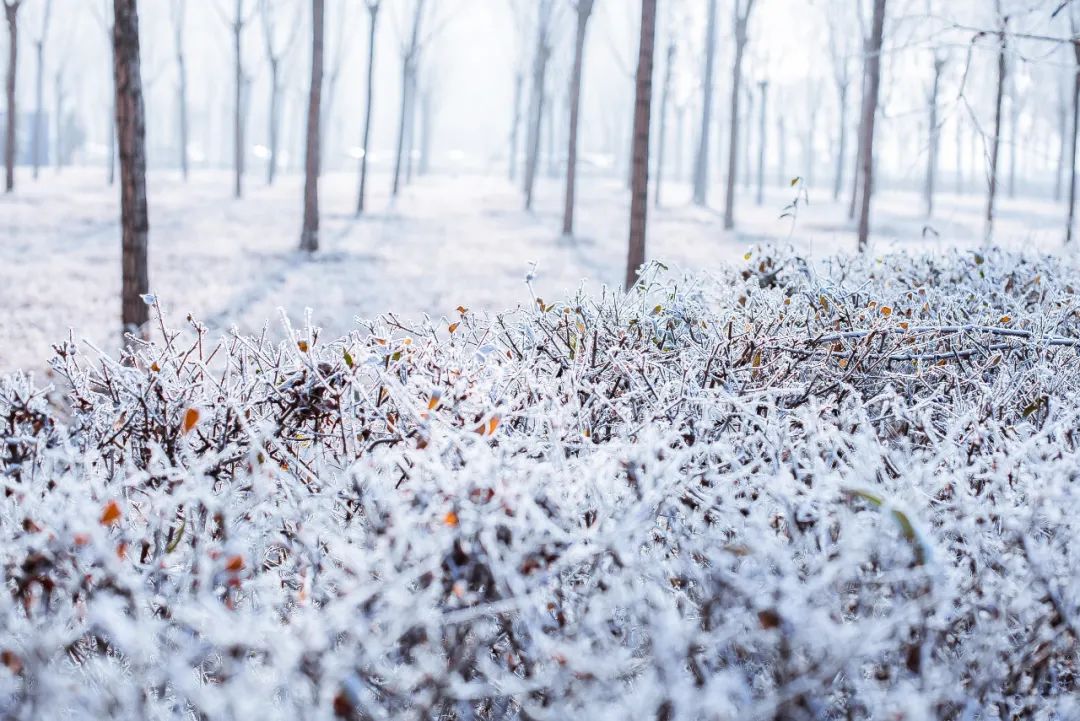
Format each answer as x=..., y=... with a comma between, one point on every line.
x=191, y=417
x=462, y=309
x=886, y=311
x=155, y=367
x=904, y=324
x=493, y=424
x=450, y=519
x=111, y=513
x=302, y=345
x=843, y=362
x=433, y=402
x=1005, y=319
x=454, y=326
x=81, y=539
x=234, y=563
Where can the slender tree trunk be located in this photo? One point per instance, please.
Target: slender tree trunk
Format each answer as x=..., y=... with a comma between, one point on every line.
x=764, y=86
x=1072, y=142
x=701, y=161
x=274, y=120
x=1014, y=122
x=1063, y=135
x=408, y=77
x=680, y=131
x=403, y=112
x=543, y=50
x=515, y=124
x=781, y=146
x=665, y=98
x=860, y=149
x=747, y=122
x=935, y=140
x=639, y=195
x=549, y=123
x=131, y=131
x=309, y=235
x=741, y=21
x=995, y=144
x=373, y=18
x=181, y=99
x=960, y=156
x=238, y=89
x=425, y=131
x=40, y=129
x=870, y=103
x=584, y=9
x=58, y=121
x=11, y=10
x=111, y=162
x=841, y=137
x=410, y=125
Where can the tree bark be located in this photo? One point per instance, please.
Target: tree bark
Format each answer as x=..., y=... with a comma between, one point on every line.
x=764, y=87
x=869, y=112
x=408, y=76
x=934, y=137
x=995, y=144
x=39, y=92
x=181, y=98
x=635, y=256
x=1063, y=135
x=515, y=124
x=309, y=234
x=742, y=17
x=665, y=99
x=841, y=140
x=373, y=18
x=274, y=120
x=238, y=89
x=1072, y=141
x=701, y=161
x=11, y=9
x=131, y=131
x=584, y=9
x=536, y=108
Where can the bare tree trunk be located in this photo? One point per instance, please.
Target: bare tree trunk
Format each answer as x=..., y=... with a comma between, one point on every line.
x=935, y=138
x=39, y=110
x=58, y=122
x=841, y=140
x=536, y=107
x=11, y=9
x=238, y=89
x=425, y=130
x=665, y=98
x=781, y=133
x=960, y=156
x=747, y=122
x=515, y=123
x=995, y=144
x=1072, y=142
x=373, y=18
x=860, y=148
x=764, y=87
x=309, y=235
x=869, y=112
x=181, y=98
x=639, y=195
x=274, y=121
x=131, y=131
x=680, y=131
x=701, y=161
x=408, y=78
x=549, y=124
x=584, y=9
x=742, y=17
x=1014, y=121
x=1063, y=135
x=410, y=125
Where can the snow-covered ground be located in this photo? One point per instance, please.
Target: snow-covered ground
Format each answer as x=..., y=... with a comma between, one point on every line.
x=449, y=240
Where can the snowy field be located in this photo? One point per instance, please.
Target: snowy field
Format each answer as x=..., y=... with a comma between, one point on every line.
x=447, y=241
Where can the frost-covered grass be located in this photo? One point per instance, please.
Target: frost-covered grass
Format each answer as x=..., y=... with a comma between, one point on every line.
x=847, y=490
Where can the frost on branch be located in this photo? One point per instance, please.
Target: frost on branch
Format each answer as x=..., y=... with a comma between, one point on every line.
x=780, y=494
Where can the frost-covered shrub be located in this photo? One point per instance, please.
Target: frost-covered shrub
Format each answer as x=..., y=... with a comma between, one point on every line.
x=780, y=493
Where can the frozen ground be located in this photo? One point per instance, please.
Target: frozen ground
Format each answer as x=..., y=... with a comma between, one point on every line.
x=447, y=241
